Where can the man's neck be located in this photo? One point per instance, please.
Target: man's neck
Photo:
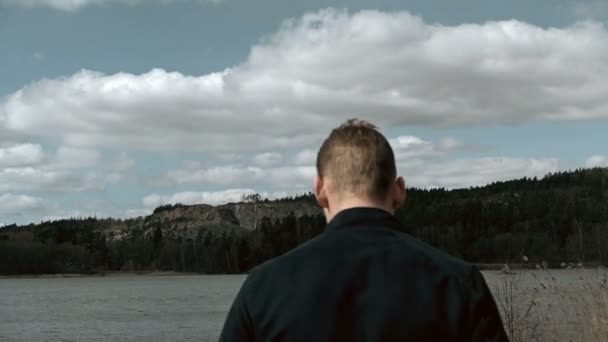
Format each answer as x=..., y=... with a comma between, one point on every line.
x=338, y=206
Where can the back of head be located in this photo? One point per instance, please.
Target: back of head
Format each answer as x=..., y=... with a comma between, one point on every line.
x=357, y=160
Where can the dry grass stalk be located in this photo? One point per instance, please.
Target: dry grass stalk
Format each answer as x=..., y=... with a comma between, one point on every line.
x=536, y=306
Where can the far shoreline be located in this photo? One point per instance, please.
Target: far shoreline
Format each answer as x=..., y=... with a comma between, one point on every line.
x=113, y=274
x=500, y=268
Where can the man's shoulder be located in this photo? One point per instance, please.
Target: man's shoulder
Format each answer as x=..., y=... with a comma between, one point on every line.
x=411, y=251
x=286, y=260
x=433, y=257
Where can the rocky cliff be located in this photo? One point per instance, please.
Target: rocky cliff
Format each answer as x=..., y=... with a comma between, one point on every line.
x=186, y=222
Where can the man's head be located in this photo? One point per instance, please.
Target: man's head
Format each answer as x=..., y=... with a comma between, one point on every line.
x=356, y=167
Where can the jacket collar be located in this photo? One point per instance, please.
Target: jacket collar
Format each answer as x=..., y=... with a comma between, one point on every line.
x=363, y=216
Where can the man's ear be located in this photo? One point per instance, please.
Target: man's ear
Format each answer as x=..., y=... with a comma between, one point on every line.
x=399, y=193
x=321, y=192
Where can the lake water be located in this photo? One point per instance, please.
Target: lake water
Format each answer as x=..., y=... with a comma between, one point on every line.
x=138, y=308
x=141, y=308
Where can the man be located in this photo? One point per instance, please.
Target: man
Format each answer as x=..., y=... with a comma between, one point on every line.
x=362, y=279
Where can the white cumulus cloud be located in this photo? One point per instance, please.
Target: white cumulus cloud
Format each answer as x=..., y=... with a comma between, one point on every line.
x=267, y=159
x=27, y=168
x=289, y=177
x=305, y=157
x=318, y=70
x=463, y=173
x=597, y=161
x=138, y=212
x=11, y=204
x=423, y=163
x=20, y=155
x=203, y=197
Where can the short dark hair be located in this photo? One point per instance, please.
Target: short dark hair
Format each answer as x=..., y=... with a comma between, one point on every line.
x=358, y=159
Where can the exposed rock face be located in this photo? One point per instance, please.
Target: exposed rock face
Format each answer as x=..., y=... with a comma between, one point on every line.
x=186, y=222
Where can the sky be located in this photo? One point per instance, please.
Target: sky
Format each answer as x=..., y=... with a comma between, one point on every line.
x=114, y=107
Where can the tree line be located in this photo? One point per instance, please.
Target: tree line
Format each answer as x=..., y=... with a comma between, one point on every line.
x=562, y=217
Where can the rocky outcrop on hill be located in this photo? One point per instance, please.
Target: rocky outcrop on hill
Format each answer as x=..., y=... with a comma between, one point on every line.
x=187, y=222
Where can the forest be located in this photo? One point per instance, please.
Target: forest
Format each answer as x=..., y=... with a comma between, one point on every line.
x=562, y=217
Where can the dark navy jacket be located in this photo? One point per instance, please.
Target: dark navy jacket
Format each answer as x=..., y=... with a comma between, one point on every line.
x=364, y=280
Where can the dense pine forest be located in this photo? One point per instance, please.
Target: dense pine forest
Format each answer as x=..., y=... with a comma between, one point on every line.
x=562, y=217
